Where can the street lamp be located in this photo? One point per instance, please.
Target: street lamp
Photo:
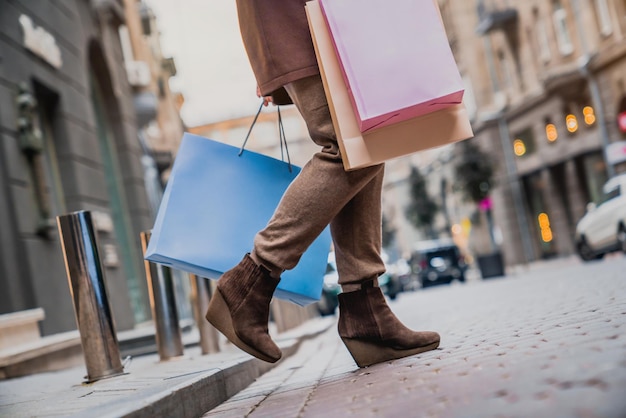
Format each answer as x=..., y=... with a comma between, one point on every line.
x=596, y=98
x=509, y=159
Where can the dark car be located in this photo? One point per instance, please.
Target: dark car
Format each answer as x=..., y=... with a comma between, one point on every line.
x=437, y=262
x=327, y=305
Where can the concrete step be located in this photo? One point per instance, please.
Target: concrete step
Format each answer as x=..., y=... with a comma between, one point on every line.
x=20, y=327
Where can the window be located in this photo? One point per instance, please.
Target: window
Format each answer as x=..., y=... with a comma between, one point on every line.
x=589, y=115
x=536, y=190
x=543, y=41
x=505, y=70
x=571, y=117
x=594, y=172
x=127, y=47
x=552, y=133
x=604, y=17
x=48, y=121
x=610, y=195
x=560, y=26
x=524, y=143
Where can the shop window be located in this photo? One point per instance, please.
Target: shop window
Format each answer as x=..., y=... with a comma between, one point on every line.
x=536, y=189
x=594, y=172
x=545, y=228
x=561, y=29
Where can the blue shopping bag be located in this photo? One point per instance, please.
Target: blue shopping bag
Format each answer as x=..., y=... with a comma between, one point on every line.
x=214, y=203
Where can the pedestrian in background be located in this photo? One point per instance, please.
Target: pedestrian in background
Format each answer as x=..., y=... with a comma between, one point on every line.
x=279, y=46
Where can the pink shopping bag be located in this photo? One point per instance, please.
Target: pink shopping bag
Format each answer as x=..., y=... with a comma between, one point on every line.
x=359, y=149
x=395, y=58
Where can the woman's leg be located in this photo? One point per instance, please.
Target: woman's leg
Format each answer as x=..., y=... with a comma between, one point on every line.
x=322, y=192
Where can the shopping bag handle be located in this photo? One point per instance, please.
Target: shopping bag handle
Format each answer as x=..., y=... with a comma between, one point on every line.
x=281, y=133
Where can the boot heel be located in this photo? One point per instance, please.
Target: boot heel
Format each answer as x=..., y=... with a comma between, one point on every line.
x=367, y=353
x=219, y=316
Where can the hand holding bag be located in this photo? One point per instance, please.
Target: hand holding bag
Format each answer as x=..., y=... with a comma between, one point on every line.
x=216, y=200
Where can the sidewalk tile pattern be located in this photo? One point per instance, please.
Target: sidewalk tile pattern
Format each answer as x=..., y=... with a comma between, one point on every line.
x=545, y=342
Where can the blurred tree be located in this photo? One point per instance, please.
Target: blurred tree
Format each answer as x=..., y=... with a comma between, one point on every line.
x=474, y=173
x=475, y=179
x=422, y=208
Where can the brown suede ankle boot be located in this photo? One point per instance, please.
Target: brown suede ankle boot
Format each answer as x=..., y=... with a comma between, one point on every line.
x=240, y=309
x=373, y=334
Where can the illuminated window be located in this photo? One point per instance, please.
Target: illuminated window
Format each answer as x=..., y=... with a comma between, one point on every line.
x=551, y=132
x=571, y=123
x=544, y=226
x=589, y=114
x=524, y=143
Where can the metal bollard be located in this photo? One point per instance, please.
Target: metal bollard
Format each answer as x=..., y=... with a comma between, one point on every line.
x=163, y=305
x=89, y=296
x=200, y=293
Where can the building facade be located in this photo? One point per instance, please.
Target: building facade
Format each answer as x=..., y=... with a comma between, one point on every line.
x=547, y=89
x=70, y=140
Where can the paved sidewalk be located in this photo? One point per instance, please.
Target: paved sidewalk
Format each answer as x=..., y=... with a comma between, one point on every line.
x=184, y=387
x=547, y=342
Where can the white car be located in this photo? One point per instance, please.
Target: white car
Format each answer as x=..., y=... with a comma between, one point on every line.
x=603, y=228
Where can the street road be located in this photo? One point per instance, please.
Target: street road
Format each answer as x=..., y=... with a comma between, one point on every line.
x=546, y=341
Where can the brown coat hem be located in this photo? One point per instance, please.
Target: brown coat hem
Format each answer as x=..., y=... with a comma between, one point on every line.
x=278, y=82
x=278, y=42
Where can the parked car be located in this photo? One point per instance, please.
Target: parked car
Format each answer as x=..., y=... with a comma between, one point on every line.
x=327, y=305
x=388, y=282
x=603, y=228
x=390, y=285
x=407, y=279
x=437, y=262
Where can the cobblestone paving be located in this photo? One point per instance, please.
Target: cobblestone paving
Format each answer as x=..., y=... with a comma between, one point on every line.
x=546, y=342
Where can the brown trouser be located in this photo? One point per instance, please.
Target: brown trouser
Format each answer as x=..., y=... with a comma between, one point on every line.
x=324, y=193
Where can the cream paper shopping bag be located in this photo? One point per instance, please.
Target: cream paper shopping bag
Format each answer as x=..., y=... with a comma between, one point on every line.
x=362, y=150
